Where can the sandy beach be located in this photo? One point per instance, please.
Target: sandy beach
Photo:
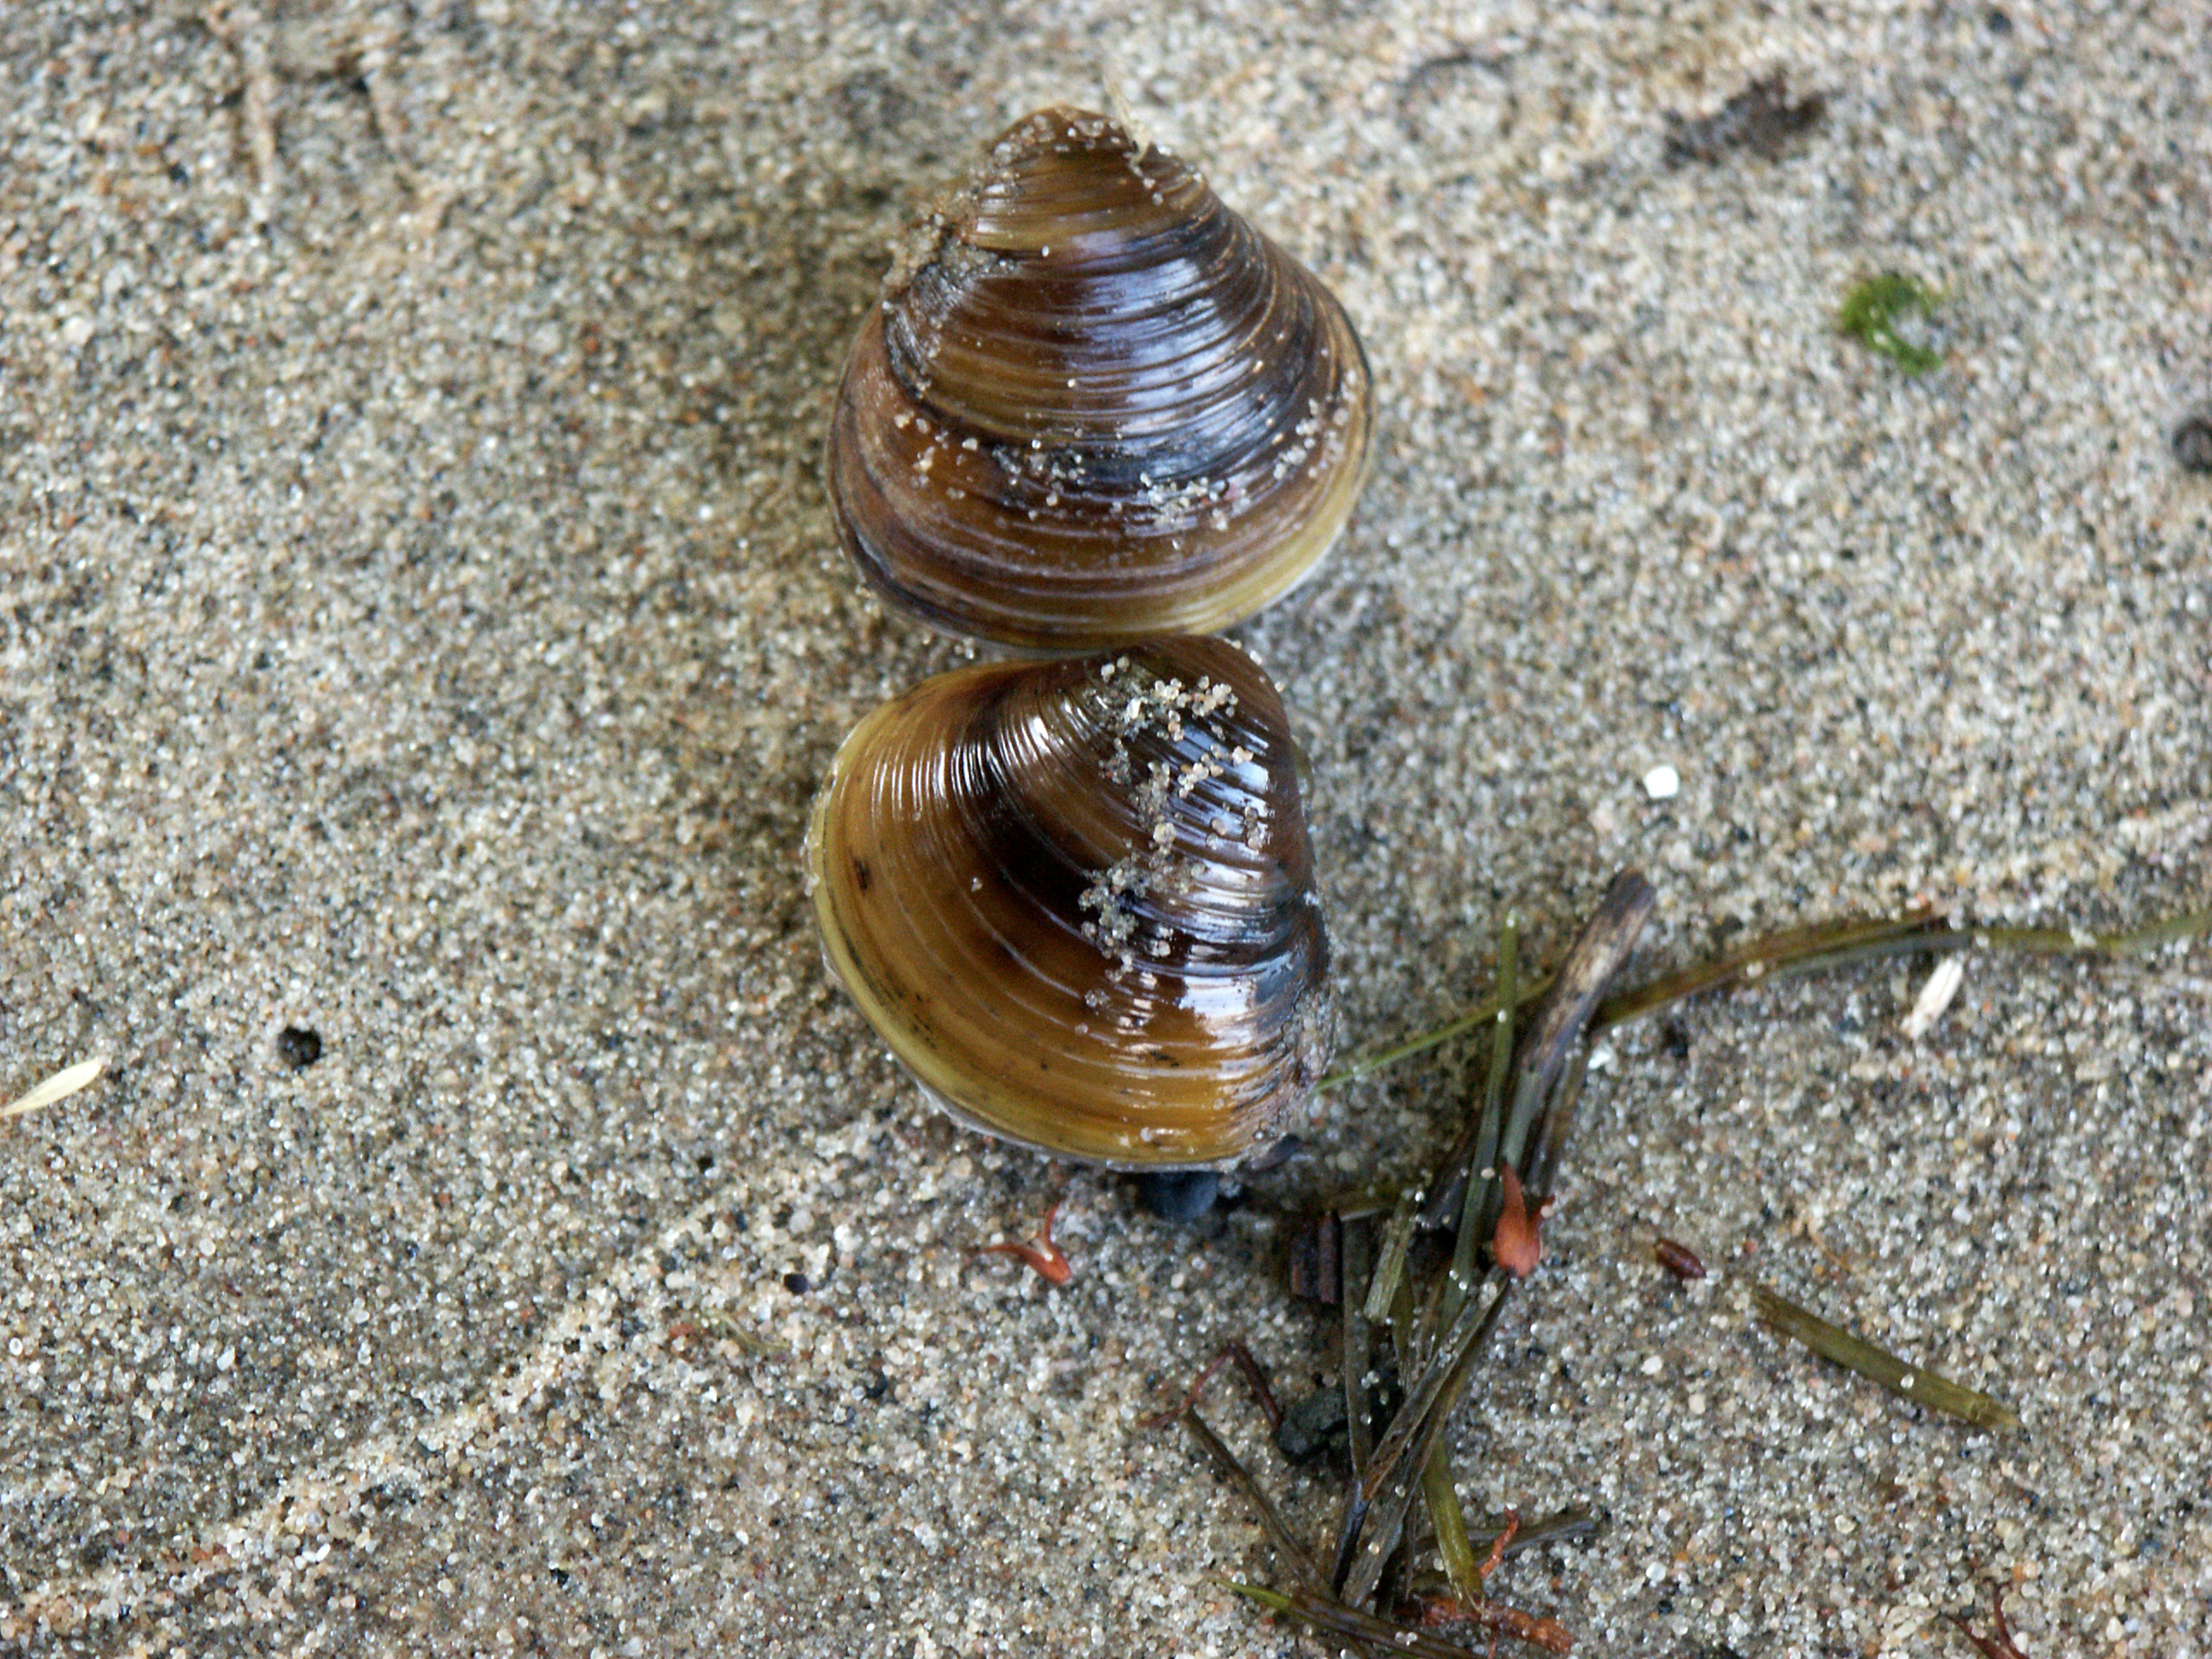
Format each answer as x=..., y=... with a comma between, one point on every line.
x=423, y=632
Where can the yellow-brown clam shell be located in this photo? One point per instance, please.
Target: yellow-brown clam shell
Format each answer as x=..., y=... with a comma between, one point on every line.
x=1095, y=405
x=1077, y=899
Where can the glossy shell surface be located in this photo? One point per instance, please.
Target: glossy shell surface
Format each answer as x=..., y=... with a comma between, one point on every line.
x=1095, y=405
x=1077, y=899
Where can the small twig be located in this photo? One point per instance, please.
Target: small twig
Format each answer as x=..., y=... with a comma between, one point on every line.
x=1999, y=1645
x=1595, y=957
x=1255, y=1375
x=1280, y=1535
x=1855, y=1353
x=61, y=1085
x=1549, y=1143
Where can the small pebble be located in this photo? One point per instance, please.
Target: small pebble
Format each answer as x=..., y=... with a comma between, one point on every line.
x=1662, y=783
x=2192, y=440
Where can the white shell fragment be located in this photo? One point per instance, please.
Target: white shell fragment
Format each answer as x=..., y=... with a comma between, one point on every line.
x=61, y=1085
x=1935, y=995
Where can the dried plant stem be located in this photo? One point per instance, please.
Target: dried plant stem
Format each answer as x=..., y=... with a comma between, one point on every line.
x=1255, y=1378
x=1571, y=1523
x=1855, y=1353
x=1517, y=1118
x=1521, y=1123
x=1565, y=1009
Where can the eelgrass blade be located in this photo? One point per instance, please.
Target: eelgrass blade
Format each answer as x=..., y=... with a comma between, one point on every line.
x=1595, y=957
x=1393, y=1476
x=1389, y=1264
x=1539, y=1113
x=1419, y=1043
x=1425, y=1396
x=1814, y=948
x=1355, y=1256
x=1794, y=951
x=1855, y=1353
x=1461, y=1565
x=1489, y=1122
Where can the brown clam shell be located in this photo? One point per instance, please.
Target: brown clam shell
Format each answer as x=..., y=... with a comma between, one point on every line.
x=1077, y=899
x=1095, y=405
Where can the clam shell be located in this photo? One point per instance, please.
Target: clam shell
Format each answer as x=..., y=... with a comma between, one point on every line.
x=1095, y=405
x=1077, y=899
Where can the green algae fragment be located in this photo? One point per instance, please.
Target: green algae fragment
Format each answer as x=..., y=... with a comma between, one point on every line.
x=1870, y=314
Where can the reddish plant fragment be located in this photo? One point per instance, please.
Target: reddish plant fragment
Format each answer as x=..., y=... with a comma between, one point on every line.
x=1999, y=1645
x=1494, y=1616
x=1498, y=1547
x=1050, y=1261
x=1677, y=1260
x=1518, y=1244
x=1498, y=1619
